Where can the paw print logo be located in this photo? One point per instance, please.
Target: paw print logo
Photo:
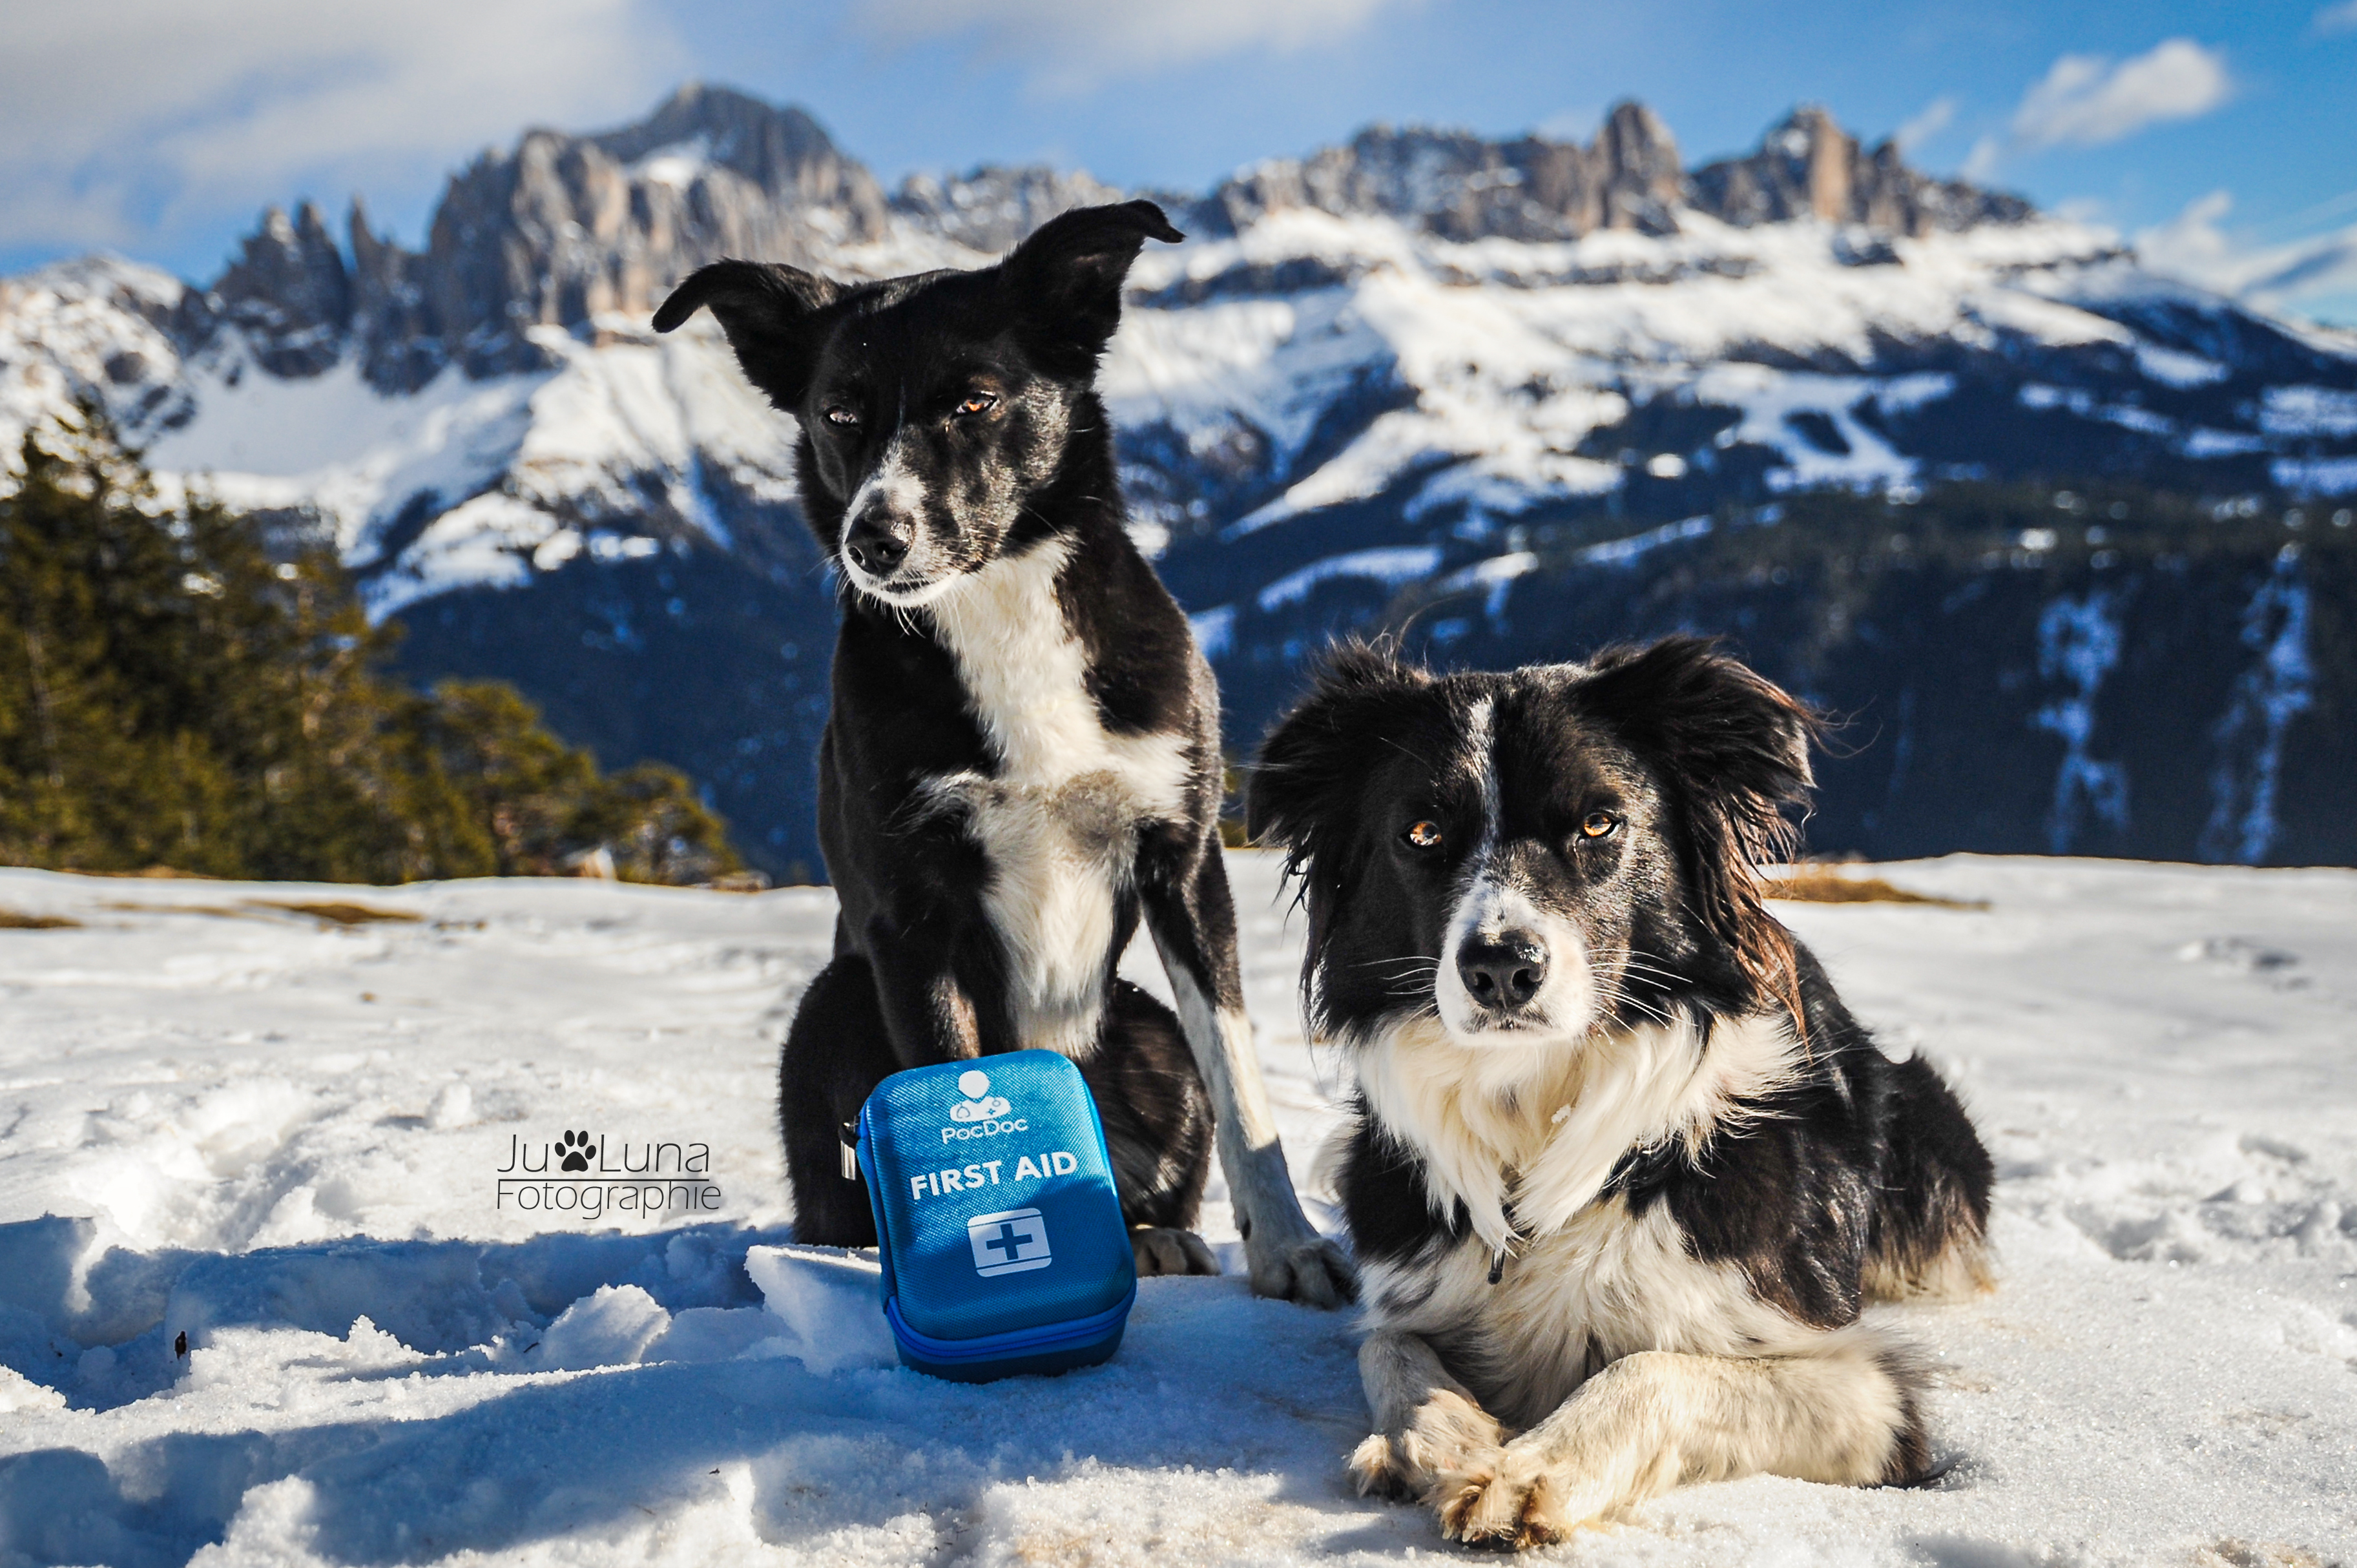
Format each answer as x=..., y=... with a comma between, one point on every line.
x=575, y=1147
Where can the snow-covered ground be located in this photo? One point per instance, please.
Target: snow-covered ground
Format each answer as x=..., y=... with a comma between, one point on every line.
x=282, y=1136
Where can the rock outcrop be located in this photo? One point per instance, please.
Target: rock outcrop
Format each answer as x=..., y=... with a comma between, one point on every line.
x=1461, y=186
x=557, y=232
x=289, y=293
x=1809, y=166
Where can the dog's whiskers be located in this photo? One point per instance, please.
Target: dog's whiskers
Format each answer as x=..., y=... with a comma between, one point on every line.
x=1617, y=999
x=1405, y=965
x=1631, y=959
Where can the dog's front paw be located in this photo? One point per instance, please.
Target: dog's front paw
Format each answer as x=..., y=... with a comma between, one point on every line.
x=1512, y=1497
x=1379, y=1470
x=1163, y=1249
x=1308, y=1268
x=1448, y=1434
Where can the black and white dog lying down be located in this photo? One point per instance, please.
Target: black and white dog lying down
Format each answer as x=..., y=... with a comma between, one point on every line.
x=1624, y=1168
x=1023, y=750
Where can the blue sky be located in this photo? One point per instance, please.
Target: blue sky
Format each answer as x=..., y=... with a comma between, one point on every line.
x=2223, y=139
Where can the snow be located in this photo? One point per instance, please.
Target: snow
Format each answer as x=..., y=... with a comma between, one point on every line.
x=2308, y=411
x=2315, y=476
x=1389, y=564
x=1214, y=630
x=1514, y=353
x=1770, y=398
x=84, y=327
x=1626, y=551
x=282, y=1136
x=511, y=464
x=2173, y=367
x=676, y=163
x=336, y=443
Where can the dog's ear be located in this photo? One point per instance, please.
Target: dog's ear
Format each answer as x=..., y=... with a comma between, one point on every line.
x=1731, y=749
x=1066, y=279
x=1316, y=756
x=771, y=314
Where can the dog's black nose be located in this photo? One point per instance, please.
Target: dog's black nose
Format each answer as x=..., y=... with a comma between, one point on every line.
x=878, y=543
x=1503, y=972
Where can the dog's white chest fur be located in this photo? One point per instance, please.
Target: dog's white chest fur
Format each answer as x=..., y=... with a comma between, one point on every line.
x=1060, y=820
x=1540, y=1128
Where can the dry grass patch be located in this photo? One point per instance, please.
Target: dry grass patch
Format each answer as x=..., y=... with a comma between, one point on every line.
x=330, y=911
x=1824, y=885
x=222, y=911
x=17, y=920
x=335, y=912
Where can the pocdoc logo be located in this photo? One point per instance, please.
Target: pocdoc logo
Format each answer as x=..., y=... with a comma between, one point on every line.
x=981, y=1114
x=980, y=1105
x=1009, y=1242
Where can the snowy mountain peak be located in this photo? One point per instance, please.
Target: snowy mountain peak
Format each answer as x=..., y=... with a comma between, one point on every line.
x=780, y=149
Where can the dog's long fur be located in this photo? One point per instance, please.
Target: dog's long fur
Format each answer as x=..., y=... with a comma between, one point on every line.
x=1623, y=1169
x=1022, y=756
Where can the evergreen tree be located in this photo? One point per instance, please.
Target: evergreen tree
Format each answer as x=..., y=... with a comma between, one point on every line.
x=173, y=691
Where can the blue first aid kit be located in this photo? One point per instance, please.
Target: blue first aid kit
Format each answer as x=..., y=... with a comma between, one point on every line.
x=1000, y=1232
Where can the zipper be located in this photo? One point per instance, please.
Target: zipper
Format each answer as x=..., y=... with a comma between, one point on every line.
x=850, y=1136
x=1015, y=1341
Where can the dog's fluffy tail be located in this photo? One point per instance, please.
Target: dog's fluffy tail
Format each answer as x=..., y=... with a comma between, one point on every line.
x=1930, y=1221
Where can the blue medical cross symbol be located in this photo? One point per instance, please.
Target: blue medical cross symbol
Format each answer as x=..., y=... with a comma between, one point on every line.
x=1010, y=1238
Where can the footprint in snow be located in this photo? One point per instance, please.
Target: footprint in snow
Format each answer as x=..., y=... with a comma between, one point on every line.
x=2247, y=956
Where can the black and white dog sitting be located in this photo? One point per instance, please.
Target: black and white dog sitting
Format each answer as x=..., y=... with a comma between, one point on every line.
x=1023, y=749
x=1624, y=1168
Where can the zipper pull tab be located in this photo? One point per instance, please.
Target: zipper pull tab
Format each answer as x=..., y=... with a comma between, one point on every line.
x=1496, y=1265
x=850, y=1135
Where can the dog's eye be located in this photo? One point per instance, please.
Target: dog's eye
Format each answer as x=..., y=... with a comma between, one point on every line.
x=1598, y=824
x=980, y=402
x=1425, y=834
x=842, y=417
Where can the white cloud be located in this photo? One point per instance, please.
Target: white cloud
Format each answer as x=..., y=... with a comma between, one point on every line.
x=2194, y=246
x=126, y=119
x=2086, y=100
x=2340, y=18
x=1929, y=122
x=1073, y=46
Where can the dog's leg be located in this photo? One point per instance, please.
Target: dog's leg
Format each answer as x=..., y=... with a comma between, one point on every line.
x=1841, y=1410
x=1427, y=1425
x=929, y=1010
x=900, y=1005
x=835, y=1053
x=1194, y=927
x=1158, y=1128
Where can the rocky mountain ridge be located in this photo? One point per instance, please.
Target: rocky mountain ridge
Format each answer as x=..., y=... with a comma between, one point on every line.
x=563, y=230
